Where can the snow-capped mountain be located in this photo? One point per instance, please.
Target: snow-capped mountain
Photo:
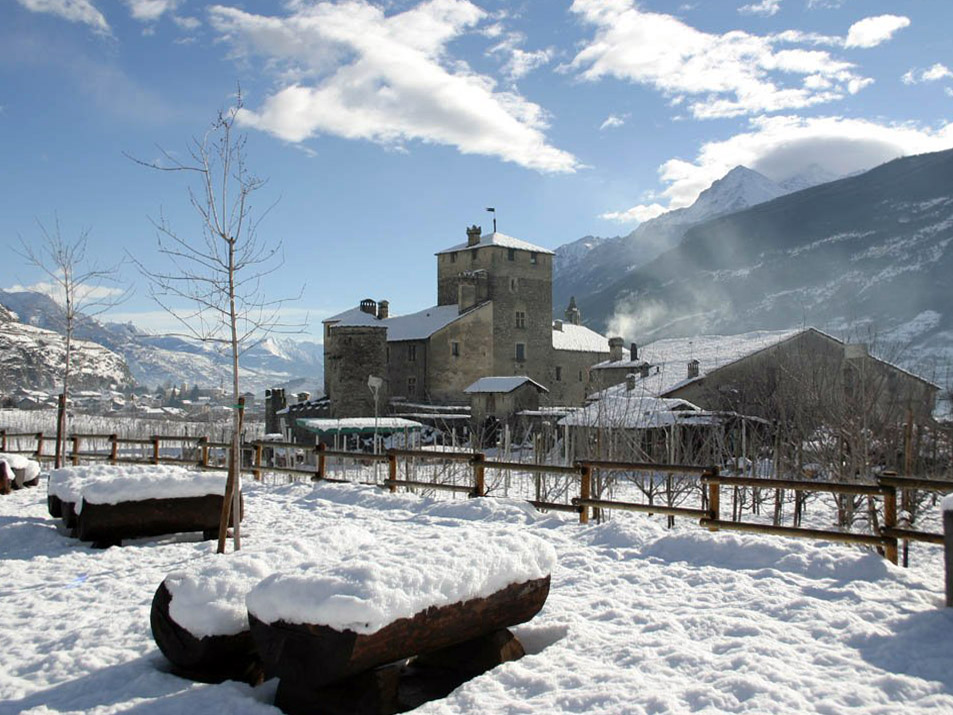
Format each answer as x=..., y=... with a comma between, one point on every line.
x=591, y=263
x=157, y=359
x=33, y=358
x=868, y=254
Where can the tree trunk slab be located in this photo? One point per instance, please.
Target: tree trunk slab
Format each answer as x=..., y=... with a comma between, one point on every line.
x=210, y=659
x=319, y=655
x=111, y=523
x=54, y=505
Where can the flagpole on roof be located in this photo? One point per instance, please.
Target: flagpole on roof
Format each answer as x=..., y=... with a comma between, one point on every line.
x=492, y=211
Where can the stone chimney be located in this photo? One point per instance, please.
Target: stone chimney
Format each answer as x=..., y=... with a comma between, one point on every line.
x=630, y=382
x=369, y=305
x=473, y=235
x=615, y=349
x=692, y=369
x=644, y=370
x=633, y=352
x=383, y=309
x=558, y=325
x=303, y=396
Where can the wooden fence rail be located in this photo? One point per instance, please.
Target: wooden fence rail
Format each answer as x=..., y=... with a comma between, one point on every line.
x=886, y=487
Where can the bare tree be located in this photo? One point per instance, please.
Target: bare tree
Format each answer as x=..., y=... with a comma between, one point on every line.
x=80, y=289
x=213, y=281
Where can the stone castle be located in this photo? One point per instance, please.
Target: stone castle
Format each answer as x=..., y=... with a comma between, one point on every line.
x=493, y=317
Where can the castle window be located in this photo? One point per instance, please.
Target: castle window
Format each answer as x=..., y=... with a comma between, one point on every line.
x=532, y=258
x=455, y=348
x=453, y=257
x=520, y=319
x=580, y=376
x=411, y=385
x=511, y=254
x=473, y=254
x=513, y=285
x=520, y=352
x=411, y=353
x=559, y=374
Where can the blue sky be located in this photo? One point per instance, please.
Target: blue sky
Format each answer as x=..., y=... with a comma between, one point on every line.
x=384, y=129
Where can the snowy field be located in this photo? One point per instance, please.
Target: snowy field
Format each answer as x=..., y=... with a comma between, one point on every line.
x=640, y=619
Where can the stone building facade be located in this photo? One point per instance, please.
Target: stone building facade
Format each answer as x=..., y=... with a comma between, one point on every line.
x=493, y=317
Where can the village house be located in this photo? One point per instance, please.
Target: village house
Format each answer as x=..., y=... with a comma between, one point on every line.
x=493, y=317
x=693, y=399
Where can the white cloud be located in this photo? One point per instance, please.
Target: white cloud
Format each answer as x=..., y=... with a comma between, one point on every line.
x=871, y=31
x=519, y=62
x=73, y=10
x=360, y=74
x=186, y=22
x=765, y=7
x=728, y=74
x=636, y=214
x=932, y=74
x=150, y=10
x=613, y=120
x=781, y=146
x=83, y=293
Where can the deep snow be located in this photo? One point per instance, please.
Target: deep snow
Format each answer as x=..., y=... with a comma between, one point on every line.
x=640, y=619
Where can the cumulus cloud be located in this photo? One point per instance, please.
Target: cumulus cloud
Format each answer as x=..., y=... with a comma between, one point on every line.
x=518, y=62
x=724, y=75
x=352, y=71
x=932, y=74
x=782, y=146
x=765, y=7
x=872, y=31
x=613, y=121
x=636, y=214
x=83, y=292
x=81, y=11
x=150, y=10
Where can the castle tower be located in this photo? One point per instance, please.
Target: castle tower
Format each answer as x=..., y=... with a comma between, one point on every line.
x=573, y=314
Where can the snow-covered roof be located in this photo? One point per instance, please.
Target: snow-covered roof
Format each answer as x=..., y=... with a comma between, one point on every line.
x=579, y=338
x=413, y=326
x=668, y=359
x=503, y=383
x=636, y=410
x=352, y=425
x=498, y=239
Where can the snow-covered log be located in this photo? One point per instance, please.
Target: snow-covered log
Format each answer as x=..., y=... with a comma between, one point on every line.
x=108, y=524
x=316, y=626
x=24, y=472
x=6, y=478
x=209, y=658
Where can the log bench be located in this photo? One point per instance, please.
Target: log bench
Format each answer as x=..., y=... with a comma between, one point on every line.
x=106, y=504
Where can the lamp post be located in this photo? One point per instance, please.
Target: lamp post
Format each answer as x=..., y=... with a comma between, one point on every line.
x=374, y=383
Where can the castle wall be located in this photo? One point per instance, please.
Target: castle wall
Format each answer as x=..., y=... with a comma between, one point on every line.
x=574, y=381
x=407, y=360
x=448, y=374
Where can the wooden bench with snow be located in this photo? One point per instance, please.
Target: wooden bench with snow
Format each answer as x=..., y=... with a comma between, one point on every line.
x=379, y=631
x=17, y=472
x=106, y=504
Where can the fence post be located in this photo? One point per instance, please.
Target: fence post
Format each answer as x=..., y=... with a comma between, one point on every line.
x=257, y=469
x=890, y=521
x=203, y=452
x=114, y=448
x=155, y=449
x=714, y=497
x=3, y=440
x=479, y=475
x=39, y=446
x=392, y=471
x=75, y=450
x=585, y=490
x=948, y=551
x=322, y=462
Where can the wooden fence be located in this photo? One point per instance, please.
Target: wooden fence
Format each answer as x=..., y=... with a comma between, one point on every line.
x=887, y=487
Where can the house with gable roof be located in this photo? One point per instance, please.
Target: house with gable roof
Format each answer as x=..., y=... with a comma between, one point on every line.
x=493, y=317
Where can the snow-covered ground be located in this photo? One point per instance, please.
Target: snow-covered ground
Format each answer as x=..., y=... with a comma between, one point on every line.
x=640, y=619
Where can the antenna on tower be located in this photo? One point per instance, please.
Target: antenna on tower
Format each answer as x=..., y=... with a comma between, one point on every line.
x=492, y=211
